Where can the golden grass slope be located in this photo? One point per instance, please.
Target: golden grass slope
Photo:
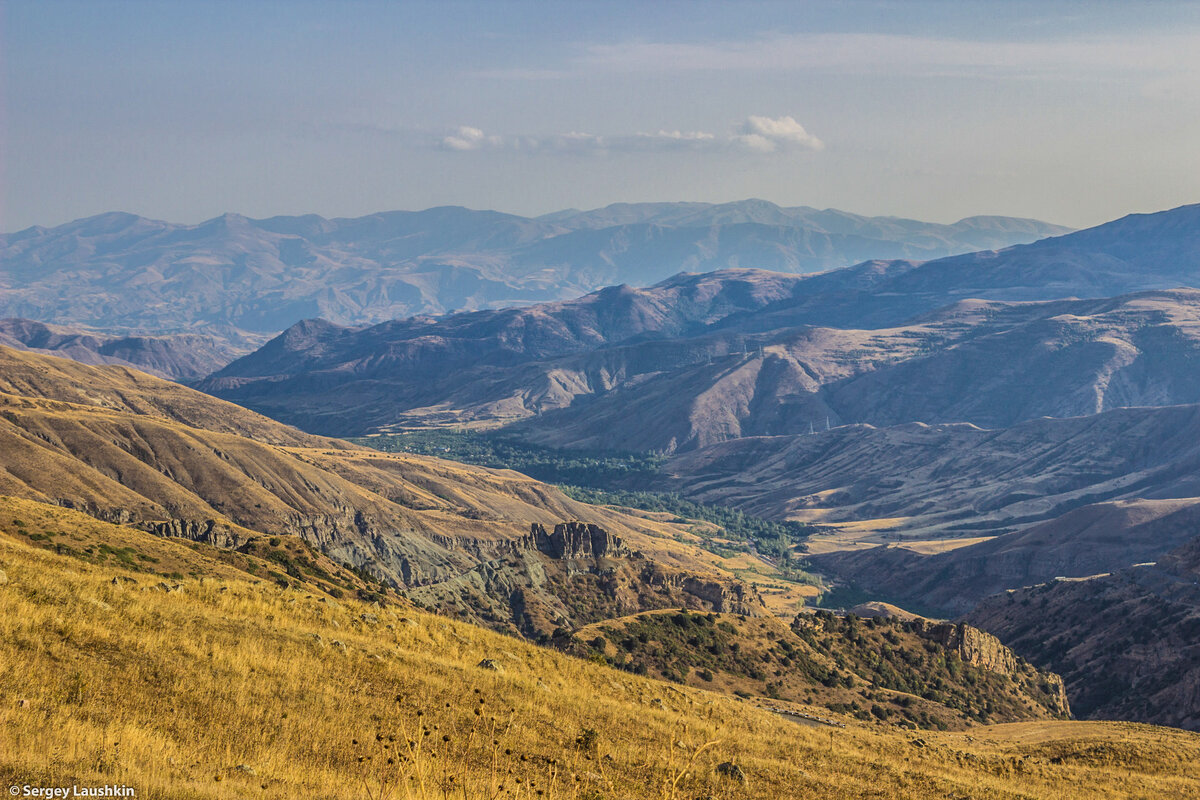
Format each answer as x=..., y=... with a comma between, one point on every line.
x=284, y=560
x=232, y=688
x=121, y=389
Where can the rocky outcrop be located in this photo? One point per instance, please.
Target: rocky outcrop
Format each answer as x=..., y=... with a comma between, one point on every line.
x=573, y=540
x=980, y=649
x=208, y=531
x=117, y=516
x=722, y=597
x=974, y=647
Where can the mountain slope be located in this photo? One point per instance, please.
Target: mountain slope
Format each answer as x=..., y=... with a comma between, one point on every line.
x=180, y=357
x=386, y=368
x=988, y=364
x=1088, y=541
x=734, y=352
x=977, y=233
x=952, y=478
x=1139, y=252
x=227, y=687
x=1126, y=643
x=127, y=447
x=670, y=362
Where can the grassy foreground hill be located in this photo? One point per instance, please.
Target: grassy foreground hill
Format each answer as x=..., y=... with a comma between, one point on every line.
x=226, y=685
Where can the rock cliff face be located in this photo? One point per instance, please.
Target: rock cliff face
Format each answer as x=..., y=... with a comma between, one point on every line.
x=570, y=575
x=974, y=647
x=980, y=649
x=721, y=596
x=206, y=531
x=573, y=540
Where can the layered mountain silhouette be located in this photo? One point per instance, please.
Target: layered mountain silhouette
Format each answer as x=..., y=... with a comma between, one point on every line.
x=123, y=273
x=698, y=359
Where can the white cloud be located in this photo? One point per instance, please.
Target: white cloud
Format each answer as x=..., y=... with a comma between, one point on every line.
x=766, y=135
x=756, y=135
x=468, y=138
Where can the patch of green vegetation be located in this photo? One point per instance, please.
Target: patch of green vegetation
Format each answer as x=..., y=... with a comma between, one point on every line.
x=870, y=668
x=771, y=537
x=672, y=645
x=125, y=556
x=600, y=477
x=576, y=467
x=844, y=596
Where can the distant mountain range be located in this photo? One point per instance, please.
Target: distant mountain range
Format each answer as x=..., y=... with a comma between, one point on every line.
x=699, y=359
x=122, y=273
x=958, y=427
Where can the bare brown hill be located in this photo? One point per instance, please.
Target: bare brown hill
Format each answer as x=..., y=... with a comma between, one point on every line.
x=739, y=339
x=950, y=480
x=127, y=447
x=666, y=389
x=1096, y=539
x=180, y=356
x=989, y=364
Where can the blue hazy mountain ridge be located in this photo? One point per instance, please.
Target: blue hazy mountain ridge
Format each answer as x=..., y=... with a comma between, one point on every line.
x=180, y=357
x=119, y=272
x=698, y=359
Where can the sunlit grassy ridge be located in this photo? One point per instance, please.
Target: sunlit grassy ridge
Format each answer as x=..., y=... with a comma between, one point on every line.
x=234, y=687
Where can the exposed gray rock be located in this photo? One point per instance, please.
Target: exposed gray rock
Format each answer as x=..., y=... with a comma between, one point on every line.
x=732, y=771
x=571, y=540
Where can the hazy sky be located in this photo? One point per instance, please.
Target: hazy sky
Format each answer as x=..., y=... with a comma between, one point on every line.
x=1071, y=112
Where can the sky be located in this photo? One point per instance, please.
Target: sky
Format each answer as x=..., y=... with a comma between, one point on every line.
x=1070, y=112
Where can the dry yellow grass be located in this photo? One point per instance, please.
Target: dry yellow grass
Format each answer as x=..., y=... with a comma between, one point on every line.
x=172, y=692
